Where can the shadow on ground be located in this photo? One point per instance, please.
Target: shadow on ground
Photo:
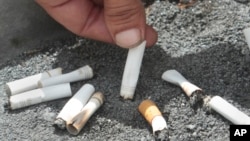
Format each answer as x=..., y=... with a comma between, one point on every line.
x=221, y=70
x=24, y=26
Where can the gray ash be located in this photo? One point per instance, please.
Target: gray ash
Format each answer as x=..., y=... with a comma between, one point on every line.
x=196, y=100
x=162, y=135
x=60, y=123
x=6, y=106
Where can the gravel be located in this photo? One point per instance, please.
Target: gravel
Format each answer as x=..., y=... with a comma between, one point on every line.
x=204, y=43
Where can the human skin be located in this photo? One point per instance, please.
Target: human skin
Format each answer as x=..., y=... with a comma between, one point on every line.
x=121, y=22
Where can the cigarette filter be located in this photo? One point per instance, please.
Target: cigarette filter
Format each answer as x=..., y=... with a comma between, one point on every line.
x=74, y=105
x=82, y=73
x=132, y=70
x=174, y=77
x=30, y=82
x=228, y=111
x=153, y=115
x=39, y=95
x=78, y=122
x=247, y=36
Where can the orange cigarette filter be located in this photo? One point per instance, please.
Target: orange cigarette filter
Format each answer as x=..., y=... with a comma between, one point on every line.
x=149, y=110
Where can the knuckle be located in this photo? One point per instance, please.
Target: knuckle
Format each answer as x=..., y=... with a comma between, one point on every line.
x=123, y=14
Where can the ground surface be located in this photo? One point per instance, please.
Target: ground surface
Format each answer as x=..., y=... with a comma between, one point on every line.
x=204, y=42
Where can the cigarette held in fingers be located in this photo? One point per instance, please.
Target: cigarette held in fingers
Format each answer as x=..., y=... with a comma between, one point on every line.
x=39, y=95
x=174, y=77
x=228, y=111
x=152, y=114
x=74, y=105
x=82, y=73
x=30, y=82
x=78, y=122
x=132, y=70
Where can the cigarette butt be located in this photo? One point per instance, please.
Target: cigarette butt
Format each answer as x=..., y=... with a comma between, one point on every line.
x=174, y=77
x=132, y=70
x=79, y=121
x=74, y=105
x=247, y=36
x=152, y=114
x=228, y=111
x=30, y=82
x=39, y=95
x=82, y=73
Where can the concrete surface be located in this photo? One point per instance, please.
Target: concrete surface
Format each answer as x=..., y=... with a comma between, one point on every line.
x=24, y=25
x=204, y=42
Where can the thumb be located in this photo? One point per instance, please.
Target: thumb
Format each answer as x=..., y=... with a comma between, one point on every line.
x=126, y=21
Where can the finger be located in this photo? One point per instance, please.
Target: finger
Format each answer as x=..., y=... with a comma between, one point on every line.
x=150, y=36
x=125, y=20
x=82, y=17
x=51, y=2
x=70, y=13
x=98, y=2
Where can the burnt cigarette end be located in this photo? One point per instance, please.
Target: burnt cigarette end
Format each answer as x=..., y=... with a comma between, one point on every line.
x=60, y=123
x=6, y=106
x=206, y=106
x=161, y=135
x=196, y=99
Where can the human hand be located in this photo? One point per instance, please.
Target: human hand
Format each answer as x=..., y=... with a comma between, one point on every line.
x=114, y=21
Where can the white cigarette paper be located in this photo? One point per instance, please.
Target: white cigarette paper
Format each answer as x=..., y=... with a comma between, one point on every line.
x=75, y=104
x=132, y=70
x=82, y=73
x=30, y=82
x=158, y=124
x=78, y=122
x=40, y=95
x=228, y=111
x=247, y=36
x=174, y=77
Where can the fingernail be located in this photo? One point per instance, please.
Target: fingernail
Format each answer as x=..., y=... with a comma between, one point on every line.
x=128, y=38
